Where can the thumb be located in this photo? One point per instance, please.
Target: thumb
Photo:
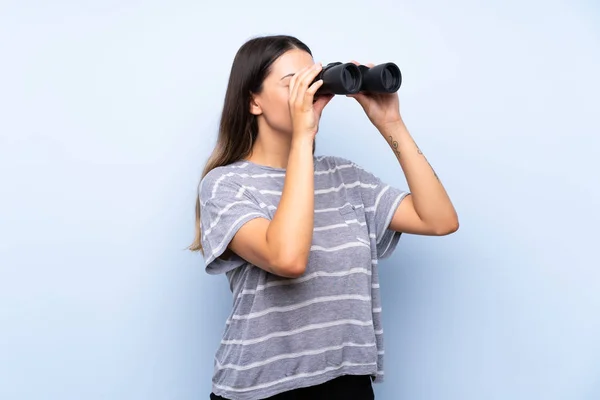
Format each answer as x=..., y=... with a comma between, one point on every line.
x=321, y=102
x=361, y=98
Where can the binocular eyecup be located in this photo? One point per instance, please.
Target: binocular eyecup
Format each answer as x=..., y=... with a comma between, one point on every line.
x=349, y=78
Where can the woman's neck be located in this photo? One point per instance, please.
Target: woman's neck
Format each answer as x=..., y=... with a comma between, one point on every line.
x=271, y=148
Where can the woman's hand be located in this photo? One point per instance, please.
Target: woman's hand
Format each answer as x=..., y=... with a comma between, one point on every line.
x=305, y=111
x=383, y=109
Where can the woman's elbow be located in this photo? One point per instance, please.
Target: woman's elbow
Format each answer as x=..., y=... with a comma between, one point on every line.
x=295, y=270
x=291, y=266
x=290, y=270
x=446, y=227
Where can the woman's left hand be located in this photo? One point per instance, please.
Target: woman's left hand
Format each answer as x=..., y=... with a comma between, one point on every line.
x=383, y=109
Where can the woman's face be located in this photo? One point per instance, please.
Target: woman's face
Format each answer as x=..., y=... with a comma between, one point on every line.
x=272, y=103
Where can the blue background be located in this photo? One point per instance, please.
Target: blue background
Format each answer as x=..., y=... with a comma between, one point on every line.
x=109, y=110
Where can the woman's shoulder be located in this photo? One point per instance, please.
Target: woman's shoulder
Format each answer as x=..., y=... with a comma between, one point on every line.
x=335, y=165
x=222, y=179
x=333, y=161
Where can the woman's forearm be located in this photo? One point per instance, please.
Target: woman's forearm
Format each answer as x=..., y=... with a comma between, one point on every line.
x=290, y=231
x=431, y=202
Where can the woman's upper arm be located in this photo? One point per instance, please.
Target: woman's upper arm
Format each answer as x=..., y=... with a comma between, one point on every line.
x=250, y=243
x=407, y=220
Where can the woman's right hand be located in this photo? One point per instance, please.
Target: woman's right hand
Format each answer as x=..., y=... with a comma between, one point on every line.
x=305, y=112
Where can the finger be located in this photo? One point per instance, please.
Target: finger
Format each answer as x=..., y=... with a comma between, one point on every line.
x=321, y=102
x=310, y=94
x=314, y=87
x=296, y=96
x=360, y=98
x=309, y=76
x=306, y=79
x=370, y=65
x=293, y=84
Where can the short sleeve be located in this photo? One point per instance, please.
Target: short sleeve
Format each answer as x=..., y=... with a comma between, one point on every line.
x=381, y=202
x=224, y=208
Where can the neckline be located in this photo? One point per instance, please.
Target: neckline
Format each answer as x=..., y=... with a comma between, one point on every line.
x=267, y=167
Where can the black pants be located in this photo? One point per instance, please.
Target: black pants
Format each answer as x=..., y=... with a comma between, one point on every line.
x=347, y=387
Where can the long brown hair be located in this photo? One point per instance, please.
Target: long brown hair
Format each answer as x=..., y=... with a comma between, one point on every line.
x=238, y=127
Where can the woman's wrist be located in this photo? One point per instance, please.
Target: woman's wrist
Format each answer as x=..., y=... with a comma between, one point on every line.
x=302, y=143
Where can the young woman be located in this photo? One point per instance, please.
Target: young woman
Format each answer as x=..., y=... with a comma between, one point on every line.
x=299, y=236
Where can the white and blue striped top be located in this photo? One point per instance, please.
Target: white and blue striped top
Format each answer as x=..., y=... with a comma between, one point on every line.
x=284, y=333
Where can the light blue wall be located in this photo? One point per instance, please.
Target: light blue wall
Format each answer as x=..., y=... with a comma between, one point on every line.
x=109, y=109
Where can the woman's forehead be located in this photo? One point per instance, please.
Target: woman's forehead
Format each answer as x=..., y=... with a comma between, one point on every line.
x=290, y=63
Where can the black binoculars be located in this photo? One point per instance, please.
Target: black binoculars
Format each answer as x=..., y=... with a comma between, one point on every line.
x=349, y=78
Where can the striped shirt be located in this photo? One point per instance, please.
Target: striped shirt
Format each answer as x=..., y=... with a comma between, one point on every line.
x=285, y=333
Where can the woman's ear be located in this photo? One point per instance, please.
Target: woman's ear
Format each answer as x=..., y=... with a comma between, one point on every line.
x=254, y=106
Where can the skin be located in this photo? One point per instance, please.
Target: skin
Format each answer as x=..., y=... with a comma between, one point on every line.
x=428, y=210
x=273, y=109
x=288, y=121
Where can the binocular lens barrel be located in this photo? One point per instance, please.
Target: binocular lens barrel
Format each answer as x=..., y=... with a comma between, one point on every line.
x=340, y=78
x=349, y=78
x=382, y=78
